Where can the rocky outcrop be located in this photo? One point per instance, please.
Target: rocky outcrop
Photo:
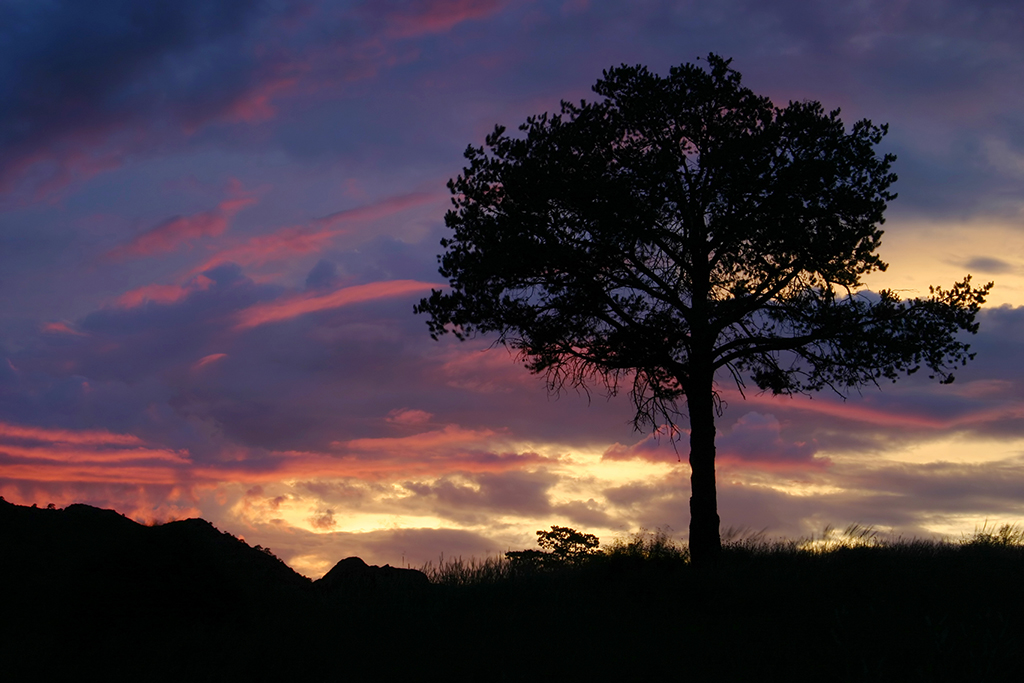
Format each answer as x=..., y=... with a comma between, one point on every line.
x=353, y=575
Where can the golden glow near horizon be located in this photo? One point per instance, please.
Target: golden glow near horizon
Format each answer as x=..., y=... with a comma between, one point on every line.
x=931, y=253
x=581, y=477
x=955, y=449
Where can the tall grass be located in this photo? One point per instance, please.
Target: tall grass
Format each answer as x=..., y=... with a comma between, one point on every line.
x=649, y=545
x=458, y=572
x=659, y=546
x=1007, y=535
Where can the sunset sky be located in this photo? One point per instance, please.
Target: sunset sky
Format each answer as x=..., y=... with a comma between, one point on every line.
x=215, y=219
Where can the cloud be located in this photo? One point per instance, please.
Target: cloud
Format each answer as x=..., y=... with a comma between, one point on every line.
x=486, y=371
x=587, y=514
x=318, y=234
x=323, y=519
x=206, y=360
x=66, y=436
x=324, y=275
x=753, y=438
x=60, y=455
x=434, y=16
x=406, y=416
x=472, y=498
x=88, y=76
x=163, y=294
x=988, y=264
x=377, y=210
x=280, y=245
x=758, y=437
x=181, y=230
x=61, y=328
x=276, y=311
x=152, y=329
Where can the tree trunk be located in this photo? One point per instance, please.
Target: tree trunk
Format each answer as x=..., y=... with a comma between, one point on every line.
x=705, y=541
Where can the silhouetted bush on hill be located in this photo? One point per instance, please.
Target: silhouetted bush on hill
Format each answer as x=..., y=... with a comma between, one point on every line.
x=89, y=591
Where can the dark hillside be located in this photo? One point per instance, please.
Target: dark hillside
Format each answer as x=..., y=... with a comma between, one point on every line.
x=89, y=585
x=83, y=551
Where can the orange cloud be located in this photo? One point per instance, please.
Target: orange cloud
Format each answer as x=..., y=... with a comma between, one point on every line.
x=262, y=314
x=78, y=456
x=9, y=431
x=91, y=473
x=303, y=465
x=448, y=437
x=64, y=455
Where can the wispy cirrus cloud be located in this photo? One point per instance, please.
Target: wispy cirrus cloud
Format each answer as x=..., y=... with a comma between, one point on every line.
x=61, y=327
x=181, y=230
x=163, y=294
x=302, y=304
x=435, y=16
x=313, y=237
x=99, y=437
x=208, y=359
x=61, y=455
x=70, y=110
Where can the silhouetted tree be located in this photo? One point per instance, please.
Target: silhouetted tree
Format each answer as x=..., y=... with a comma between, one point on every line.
x=567, y=545
x=680, y=227
x=561, y=547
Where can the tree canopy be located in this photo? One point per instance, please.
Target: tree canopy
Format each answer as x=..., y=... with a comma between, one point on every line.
x=682, y=229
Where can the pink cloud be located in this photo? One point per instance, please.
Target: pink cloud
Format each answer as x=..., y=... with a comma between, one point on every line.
x=262, y=314
x=304, y=239
x=570, y=7
x=486, y=371
x=377, y=210
x=174, y=232
x=438, y=16
x=754, y=441
x=163, y=294
x=274, y=247
x=62, y=328
x=407, y=416
x=206, y=360
x=849, y=411
x=255, y=105
x=47, y=172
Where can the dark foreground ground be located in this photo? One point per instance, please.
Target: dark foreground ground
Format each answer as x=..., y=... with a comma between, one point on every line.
x=87, y=591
